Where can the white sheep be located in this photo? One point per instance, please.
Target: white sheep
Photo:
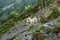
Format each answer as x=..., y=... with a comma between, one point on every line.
x=34, y=20
x=31, y=22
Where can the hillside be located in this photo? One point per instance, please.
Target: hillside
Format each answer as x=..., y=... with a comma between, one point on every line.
x=13, y=25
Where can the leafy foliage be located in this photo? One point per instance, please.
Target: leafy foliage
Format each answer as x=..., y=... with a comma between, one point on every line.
x=15, y=18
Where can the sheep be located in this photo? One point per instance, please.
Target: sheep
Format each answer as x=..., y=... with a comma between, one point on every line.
x=34, y=20
x=31, y=22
